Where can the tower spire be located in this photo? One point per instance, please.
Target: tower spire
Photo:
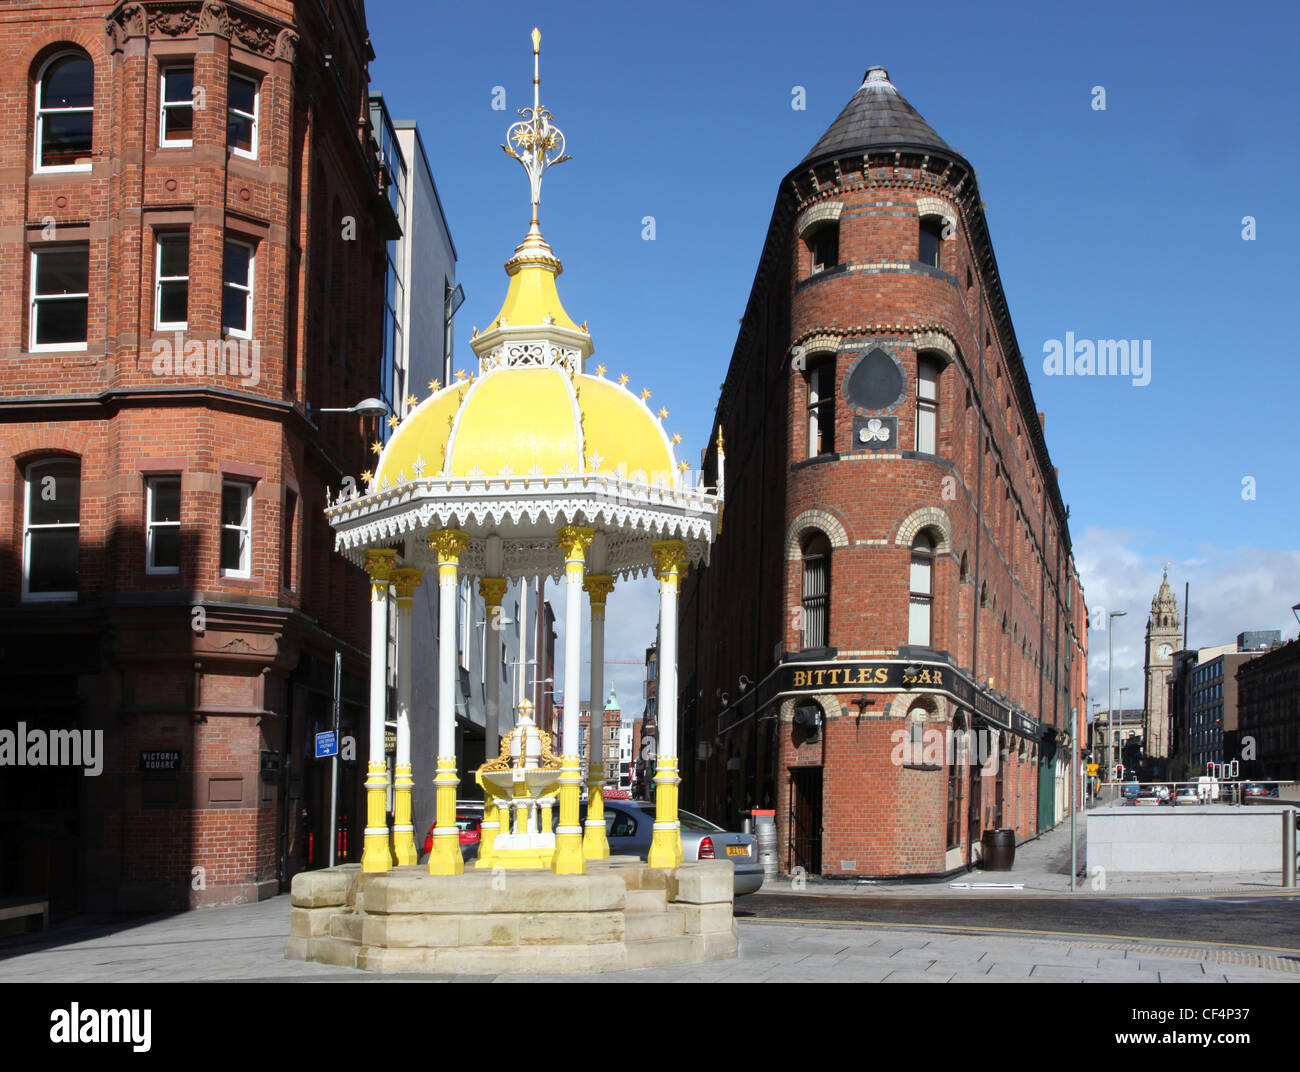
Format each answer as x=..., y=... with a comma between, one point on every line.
x=535, y=141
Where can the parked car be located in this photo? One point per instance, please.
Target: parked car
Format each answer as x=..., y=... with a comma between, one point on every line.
x=629, y=825
x=1130, y=789
x=1186, y=794
x=1257, y=790
x=1147, y=797
x=469, y=821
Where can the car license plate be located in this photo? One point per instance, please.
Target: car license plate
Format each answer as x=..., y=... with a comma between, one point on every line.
x=737, y=850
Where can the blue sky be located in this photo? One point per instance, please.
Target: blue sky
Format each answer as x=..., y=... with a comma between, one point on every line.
x=1116, y=223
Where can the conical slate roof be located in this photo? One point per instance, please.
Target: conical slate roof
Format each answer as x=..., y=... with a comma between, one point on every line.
x=877, y=116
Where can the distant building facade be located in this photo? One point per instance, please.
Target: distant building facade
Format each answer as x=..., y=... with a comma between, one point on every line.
x=1268, y=712
x=1163, y=638
x=1203, y=697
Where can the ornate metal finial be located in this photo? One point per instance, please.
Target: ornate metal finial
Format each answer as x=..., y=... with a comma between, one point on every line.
x=539, y=143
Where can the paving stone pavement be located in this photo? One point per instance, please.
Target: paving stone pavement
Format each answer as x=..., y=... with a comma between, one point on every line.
x=246, y=942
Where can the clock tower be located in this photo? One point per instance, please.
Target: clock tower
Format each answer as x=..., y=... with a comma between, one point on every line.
x=1164, y=637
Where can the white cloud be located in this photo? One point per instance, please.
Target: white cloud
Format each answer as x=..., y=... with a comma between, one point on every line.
x=1231, y=591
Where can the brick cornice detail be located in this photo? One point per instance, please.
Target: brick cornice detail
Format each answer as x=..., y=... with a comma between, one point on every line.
x=241, y=25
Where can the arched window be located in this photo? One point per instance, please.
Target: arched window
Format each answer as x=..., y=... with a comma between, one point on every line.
x=816, y=590
x=927, y=405
x=823, y=248
x=821, y=404
x=52, y=530
x=65, y=107
x=921, y=601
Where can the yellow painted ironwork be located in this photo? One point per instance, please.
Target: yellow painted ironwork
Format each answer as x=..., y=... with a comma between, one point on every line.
x=445, y=859
x=375, y=854
x=666, y=841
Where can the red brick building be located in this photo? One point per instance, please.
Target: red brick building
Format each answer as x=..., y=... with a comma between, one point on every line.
x=193, y=263
x=889, y=645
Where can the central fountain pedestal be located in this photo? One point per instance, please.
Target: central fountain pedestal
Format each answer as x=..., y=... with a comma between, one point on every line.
x=620, y=914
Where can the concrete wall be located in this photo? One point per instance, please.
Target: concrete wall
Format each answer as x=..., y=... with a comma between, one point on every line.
x=1206, y=837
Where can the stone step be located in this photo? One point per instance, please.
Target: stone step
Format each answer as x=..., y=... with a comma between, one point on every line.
x=646, y=901
x=646, y=926
x=658, y=952
x=347, y=925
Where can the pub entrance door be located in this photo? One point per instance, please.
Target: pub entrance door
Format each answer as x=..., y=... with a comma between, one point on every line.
x=806, y=819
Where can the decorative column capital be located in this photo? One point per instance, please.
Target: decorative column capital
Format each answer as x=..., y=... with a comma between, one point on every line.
x=450, y=545
x=574, y=541
x=214, y=18
x=493, y=590
x=406, y=580
x=670, y=561
x=379, y=564
x=598, y=586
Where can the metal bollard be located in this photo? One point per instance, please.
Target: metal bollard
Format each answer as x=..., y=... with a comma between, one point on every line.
x=1288, y=848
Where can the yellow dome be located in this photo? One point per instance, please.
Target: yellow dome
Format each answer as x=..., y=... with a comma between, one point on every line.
x=519, y=420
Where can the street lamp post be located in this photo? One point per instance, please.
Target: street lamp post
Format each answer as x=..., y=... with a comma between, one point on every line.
x=1119, y=725
x=1110, y=675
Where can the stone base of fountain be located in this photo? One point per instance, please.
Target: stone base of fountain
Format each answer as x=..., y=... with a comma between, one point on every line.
x=620, y=914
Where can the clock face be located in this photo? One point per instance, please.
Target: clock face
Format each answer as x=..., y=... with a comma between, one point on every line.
x=1165, y=651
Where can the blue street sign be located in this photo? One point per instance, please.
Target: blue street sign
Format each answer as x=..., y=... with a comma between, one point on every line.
x=327, y=744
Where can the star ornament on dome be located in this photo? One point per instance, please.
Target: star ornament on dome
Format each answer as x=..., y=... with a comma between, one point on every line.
x=376, y=447
x=623, y=379
x=418, y=466
x=677, y=438
x=394, y=421
x=460, y=374
x=435, y=385
x=412, y=401
x=367, y=476
x=600, y=370
x=645, y=395
x=663, y=413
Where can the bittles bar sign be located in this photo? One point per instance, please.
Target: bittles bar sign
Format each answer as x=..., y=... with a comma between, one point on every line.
x=793, y=679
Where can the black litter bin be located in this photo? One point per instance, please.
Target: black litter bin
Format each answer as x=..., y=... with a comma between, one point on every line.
x=999, y=850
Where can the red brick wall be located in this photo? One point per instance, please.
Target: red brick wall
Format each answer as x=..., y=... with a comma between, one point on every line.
x=317, y=308
x=879, y=817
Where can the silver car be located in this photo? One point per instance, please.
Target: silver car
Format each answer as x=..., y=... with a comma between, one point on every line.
x=629, y=825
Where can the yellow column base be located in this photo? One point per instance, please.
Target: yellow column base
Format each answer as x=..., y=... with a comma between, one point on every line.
x=568, y=838
x=445, y=857
x=404, y=850
x=595, y=843
x=490, y=828
x=375, y=854
x=666, y=841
